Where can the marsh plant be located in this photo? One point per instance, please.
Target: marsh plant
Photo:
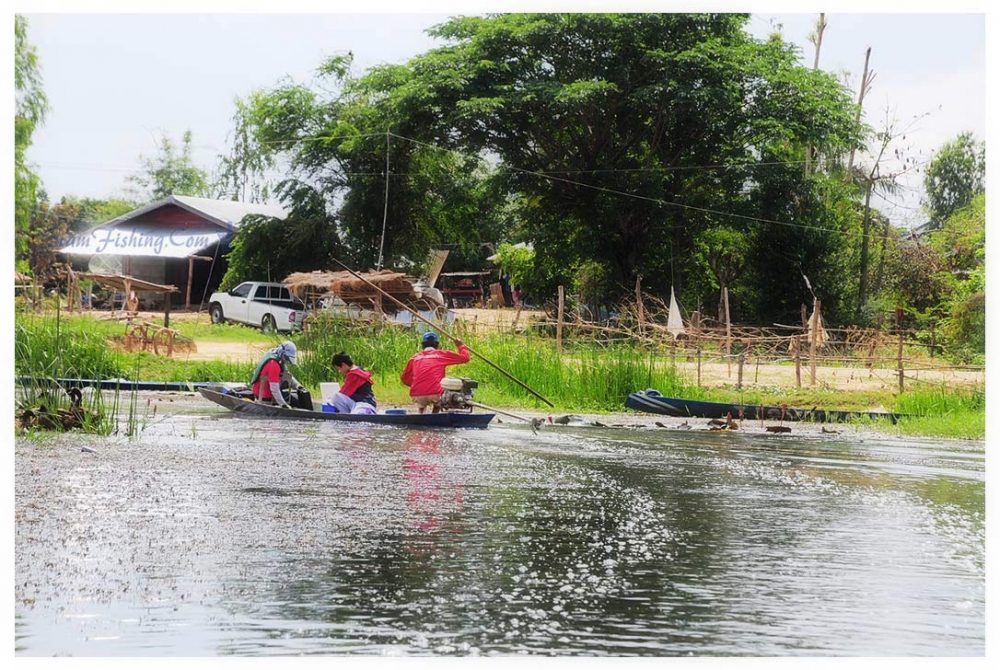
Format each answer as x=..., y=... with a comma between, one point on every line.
x=588, y=375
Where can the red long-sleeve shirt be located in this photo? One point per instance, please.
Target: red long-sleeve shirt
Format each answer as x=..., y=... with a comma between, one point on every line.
x=425, y=370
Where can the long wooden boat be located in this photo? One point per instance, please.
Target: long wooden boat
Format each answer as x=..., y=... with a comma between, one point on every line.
x=110, y=384
x=240, y=405
x=651, y=401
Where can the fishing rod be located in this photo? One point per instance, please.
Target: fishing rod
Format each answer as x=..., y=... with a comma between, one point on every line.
x=448, y=335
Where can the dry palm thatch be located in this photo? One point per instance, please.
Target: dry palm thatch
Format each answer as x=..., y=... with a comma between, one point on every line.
x=350, y=289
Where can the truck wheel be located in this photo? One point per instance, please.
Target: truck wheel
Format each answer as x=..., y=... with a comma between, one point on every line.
x=215, y=311
x=267, y=324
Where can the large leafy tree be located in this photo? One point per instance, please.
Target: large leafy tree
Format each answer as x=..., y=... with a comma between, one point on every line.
x=30, y=107
x=955, y=175
x=271, y=249
x=625, y=132
x=171, y=172
x=351, y=146
x=961, y=244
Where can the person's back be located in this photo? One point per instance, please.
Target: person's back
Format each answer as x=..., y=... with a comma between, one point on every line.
x=425, y=370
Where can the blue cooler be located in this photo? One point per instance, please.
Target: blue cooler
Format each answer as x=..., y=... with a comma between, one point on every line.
x=395, y=410
x=328, y=407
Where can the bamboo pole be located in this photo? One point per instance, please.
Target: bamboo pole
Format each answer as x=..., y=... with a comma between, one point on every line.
x=798, y=361
x=444, y=332
x=814, y=341
x=729, y=333
x=899, y=361
x=739, y=373
x=638, y=303
x=187, y=298
x=699, y=366
x=559, y=323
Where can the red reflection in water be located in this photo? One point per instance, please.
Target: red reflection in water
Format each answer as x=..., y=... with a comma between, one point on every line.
x=428, y=496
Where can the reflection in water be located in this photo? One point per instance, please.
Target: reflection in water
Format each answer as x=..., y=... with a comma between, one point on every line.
x=428, y=496
x=248, y=540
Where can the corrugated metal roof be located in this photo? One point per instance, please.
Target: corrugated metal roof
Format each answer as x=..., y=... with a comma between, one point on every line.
x=226, y=213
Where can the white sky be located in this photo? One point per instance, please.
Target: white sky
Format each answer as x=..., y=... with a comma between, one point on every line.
x=116, y=83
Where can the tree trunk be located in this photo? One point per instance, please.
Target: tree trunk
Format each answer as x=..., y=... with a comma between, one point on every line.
x=880, y=273
x=863, y=280
x=865, y=83
x=820, y=27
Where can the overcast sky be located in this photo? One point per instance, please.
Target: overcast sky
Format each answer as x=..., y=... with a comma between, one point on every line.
x=117, y=83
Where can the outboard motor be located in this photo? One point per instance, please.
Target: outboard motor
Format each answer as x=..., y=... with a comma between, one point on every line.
x=457, y=392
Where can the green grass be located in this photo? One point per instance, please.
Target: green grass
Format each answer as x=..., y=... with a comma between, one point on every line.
x=588, y=377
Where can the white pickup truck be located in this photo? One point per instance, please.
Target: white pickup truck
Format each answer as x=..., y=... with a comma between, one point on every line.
x=268, y=305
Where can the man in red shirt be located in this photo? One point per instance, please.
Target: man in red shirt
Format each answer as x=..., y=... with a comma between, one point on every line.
x=426, y=369
x=272, y=369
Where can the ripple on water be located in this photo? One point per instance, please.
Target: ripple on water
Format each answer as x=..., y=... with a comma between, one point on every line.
x=209, y=535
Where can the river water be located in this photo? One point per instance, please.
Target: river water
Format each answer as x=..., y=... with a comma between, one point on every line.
x=213, y=535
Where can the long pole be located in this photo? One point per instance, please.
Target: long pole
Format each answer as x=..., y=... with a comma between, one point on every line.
x=454, y=339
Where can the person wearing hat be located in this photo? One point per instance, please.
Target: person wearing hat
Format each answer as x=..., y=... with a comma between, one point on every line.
x=272, y=371
x=425, y=370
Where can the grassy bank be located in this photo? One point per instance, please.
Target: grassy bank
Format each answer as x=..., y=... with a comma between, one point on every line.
x=587, y=377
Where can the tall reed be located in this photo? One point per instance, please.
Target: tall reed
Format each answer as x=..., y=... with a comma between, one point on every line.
x=44, y=349
x=589, y=376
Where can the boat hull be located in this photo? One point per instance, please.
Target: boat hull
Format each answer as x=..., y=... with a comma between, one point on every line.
x=652, y=402
x=428, y=420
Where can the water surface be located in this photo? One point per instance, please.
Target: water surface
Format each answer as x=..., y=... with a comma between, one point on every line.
x=217, y=535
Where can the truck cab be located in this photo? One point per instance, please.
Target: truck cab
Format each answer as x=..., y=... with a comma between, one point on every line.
x=267, y=305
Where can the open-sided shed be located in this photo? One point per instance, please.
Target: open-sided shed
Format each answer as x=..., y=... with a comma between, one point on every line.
x=179, y=240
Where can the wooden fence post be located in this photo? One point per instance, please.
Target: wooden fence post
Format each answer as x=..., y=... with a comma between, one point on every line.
x=695, y=324
x=729, y=333
x=638, y=304
x=559, y=323
x=739, y=373
x=699, y=366
x=899, y=358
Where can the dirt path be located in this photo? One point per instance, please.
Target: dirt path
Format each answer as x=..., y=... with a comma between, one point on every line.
x=233, y=352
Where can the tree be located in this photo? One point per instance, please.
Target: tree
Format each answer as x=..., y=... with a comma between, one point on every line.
x=393, y=197
x=955, y=175
x=266, y=248
x=622, y=130
x=170, y=173
x=605, y=138
x=30, y=107
x=961, y=245
x=242, y=174
x=723, y=251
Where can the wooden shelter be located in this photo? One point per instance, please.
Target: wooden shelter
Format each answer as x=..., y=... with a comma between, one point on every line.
x=130, y=287
x=350, y=289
